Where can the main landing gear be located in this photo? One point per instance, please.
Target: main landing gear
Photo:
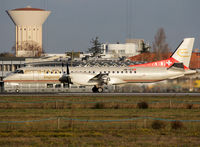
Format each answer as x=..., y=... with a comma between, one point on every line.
x=96, y=89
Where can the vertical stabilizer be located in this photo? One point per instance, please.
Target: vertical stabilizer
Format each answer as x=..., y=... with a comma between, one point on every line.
x=184, y=51
x=182, y=54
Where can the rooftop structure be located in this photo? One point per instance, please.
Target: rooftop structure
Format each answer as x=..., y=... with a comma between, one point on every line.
x=28, y=23
x=132, y=47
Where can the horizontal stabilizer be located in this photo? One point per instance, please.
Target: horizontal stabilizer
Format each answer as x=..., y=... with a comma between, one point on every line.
x=176, y=77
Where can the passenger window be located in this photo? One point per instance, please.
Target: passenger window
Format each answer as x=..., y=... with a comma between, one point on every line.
x=117, y=71
x=81, y=86
x=121, y=71
x=74, y=87
x=113, y=71
x=49, y=85
x=58, y=86
x=135, y=71
x=19, y=72
x=130, y=71
x=65, y=85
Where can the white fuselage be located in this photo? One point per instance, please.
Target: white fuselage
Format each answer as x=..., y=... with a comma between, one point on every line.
x=81, y=75
x=47, y=78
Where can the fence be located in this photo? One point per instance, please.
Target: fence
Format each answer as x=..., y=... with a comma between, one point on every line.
x=82, y=120
x=87, y=120
x=94, y=102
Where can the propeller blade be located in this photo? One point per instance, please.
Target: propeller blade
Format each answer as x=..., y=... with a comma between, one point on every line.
x=62, y=67
x=68, y=84
x=67, y=69
x=66, y=78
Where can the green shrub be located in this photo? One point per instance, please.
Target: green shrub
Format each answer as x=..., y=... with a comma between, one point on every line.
x=99, y=106
x=142, y=105
x=158, y=124
x=189, y=106
x=176, y=125
x=117, y=106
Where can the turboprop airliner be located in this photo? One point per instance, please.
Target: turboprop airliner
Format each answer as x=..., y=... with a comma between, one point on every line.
x=174, y=67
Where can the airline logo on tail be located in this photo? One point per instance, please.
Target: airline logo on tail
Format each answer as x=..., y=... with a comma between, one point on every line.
x=182, y=54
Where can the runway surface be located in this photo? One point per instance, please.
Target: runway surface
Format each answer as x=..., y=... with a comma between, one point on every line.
x=100, y=94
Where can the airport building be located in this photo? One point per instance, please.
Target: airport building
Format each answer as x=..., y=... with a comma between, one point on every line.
x=132, y=47
x=28, y=23
x=8, y=65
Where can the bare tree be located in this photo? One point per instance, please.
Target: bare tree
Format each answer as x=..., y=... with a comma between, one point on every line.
x=30, y=46
x=160, y=47
x=6, y=54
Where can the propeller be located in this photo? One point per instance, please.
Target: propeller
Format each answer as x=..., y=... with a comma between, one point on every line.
x=67, y=69
x=66, y=76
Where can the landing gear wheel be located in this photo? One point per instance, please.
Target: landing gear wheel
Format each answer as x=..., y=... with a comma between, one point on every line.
x=95, y=89
x=17, y=90
x=100, y=89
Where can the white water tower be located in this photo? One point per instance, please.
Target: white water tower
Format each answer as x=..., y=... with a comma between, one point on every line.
x=28, y=23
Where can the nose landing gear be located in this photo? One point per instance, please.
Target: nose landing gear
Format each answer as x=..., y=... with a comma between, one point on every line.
x=96, y=89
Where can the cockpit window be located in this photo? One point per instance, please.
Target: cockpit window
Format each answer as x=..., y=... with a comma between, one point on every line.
x=19, y=71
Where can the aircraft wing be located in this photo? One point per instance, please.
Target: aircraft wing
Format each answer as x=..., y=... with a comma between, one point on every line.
x=100, y=78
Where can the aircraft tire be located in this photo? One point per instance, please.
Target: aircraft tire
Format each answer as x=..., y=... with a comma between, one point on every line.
x=17, y=90
x=100, y=90
x=95, y=89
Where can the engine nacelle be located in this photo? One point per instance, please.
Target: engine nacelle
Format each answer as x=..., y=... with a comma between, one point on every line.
x=105, y=79
x=82, y=78
x=116, y=81
x=65, y=79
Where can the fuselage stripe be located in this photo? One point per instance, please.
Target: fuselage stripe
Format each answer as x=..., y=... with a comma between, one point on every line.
x=31, y=81
x=141, y=80
x=20, y=81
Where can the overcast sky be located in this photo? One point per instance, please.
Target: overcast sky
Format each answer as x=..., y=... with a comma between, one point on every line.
x=73, y=23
